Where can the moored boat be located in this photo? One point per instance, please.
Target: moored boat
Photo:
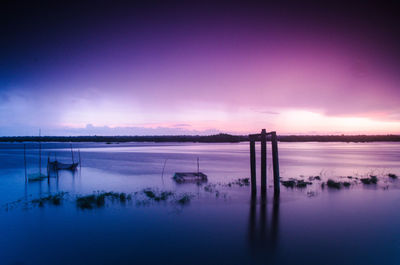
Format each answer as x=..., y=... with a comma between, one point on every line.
x=55, y=165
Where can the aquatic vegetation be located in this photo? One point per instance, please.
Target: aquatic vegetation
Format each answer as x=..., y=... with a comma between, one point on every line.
x=333, y=184
x=210, y=188
x=365, y=181
x=53, y=199
x=370, y=180
x=240, y=182
x=374, y=179
x=288, y=183
x=98, y=200
x=346, y=184
x=184, y=199
x=157, y=196
x=149, y=193
x=152, y=195
x=392, y=176
x=86, y=202
x=291, y=183
x=302, y=184
x=312, y=178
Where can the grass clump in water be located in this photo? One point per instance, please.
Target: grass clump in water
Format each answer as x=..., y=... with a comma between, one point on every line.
x=167, y=196
x=53, y=199
x=291, y=183
x=370, y=180
x=86, y=202
x=210, y=188
x=99, y=200
x=346, y=184
x=157, y=196
x=333, y=184
x=184, y=199
x=312, y=178
x=392, y=176
x=288, y=183
x=302, y=184
x=242, y=182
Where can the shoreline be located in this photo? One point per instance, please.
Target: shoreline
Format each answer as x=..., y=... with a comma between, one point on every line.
x=219, y=138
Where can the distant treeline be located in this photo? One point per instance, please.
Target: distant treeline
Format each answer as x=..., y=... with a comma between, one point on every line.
x=218, y=138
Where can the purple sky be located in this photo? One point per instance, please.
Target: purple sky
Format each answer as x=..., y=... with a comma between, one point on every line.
x=199, y=68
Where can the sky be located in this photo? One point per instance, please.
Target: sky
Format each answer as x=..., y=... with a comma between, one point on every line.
x=199, y=67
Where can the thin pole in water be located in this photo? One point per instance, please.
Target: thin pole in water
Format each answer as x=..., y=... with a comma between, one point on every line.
x=162, y=173
x=48, y=170
x=80, y=163
x=198, y=167
x=72, y=154
x=26, y=175
x=40, y=158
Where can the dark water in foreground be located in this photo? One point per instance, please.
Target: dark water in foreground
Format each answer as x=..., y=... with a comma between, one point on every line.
x=355, y=225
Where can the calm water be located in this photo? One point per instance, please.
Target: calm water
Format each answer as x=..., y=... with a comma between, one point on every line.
x=356, y=225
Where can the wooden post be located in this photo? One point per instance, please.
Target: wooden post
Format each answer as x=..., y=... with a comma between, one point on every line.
x=40, y=154
x=263, y=161
x=26, y=174
x=40, y=159
x=198, y=167
x=48, y=170
x=72, y=154
x=253, y=165
x=275, y=161
x=80, y=163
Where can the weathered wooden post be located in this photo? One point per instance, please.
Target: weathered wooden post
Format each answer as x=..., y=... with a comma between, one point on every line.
x=253, y=165
x=48, y=170
x=275, y=161
x=80, y=163
x=72, y=154
x=263, y=161
x=40, y=159
x=26, y=174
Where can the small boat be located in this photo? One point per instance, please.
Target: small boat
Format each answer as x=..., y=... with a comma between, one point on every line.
x=36, y=177
x=182, y=177
x=55, y=165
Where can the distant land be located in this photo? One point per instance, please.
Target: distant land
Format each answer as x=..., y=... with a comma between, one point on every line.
x=218, y=138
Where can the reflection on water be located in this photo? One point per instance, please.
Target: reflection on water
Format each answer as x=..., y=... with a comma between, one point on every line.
x=356, y=225
x=263, y=232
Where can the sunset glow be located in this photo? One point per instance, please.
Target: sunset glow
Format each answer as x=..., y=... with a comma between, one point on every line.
x=224, y=71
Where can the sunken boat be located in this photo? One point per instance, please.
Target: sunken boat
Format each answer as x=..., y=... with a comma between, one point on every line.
x=182, y=177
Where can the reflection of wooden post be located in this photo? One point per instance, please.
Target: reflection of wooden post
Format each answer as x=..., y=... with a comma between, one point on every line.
x=263, y=161
x=26, y=175
x=275, y=161
x=253, y=165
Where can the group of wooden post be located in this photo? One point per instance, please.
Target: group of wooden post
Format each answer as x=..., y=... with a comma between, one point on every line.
x=275, y=161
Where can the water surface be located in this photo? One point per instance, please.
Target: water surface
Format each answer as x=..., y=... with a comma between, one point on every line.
x=356, y=225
